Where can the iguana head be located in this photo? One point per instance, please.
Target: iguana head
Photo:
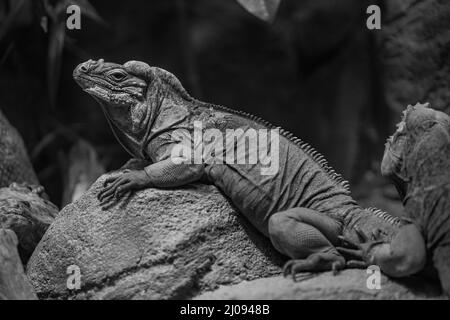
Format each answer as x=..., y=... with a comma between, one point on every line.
x=114, y=85
x=412, y=133
x=131, y=96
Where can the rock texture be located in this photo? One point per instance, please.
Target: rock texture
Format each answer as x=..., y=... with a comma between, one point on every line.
x=15, y=166
x=25, y=210
x=349, y=284
x=415, y=42
x=14, y=284
x=184, y=243
x=157, y=244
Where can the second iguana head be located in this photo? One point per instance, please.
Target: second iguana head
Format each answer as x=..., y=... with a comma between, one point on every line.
x=416, y=140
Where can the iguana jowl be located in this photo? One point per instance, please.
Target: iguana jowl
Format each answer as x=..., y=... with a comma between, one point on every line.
x=303, y=209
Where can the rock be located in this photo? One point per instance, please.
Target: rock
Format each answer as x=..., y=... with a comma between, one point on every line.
x=15, y=166
x=415, y=43
x=13, y=283
x=25, y=210
x=348, y=284
x=157, y=244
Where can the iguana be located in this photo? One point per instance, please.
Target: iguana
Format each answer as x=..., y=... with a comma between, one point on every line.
x=417, y=159
x=304, y=208
x=15, y=166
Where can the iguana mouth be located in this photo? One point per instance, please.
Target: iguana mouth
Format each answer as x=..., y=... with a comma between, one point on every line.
x=100, y=88
x=87, y=82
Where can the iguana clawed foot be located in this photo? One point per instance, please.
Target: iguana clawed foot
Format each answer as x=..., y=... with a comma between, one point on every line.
x=116, y=187
x=322, y=261
x=351, y=254
x=356, y=254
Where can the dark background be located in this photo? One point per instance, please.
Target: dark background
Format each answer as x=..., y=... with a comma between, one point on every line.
x=316, y=71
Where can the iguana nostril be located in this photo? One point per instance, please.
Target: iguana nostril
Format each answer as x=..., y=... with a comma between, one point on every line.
x=88, y=65
x=83, y=67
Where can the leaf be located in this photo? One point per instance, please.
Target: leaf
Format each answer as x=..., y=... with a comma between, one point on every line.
x=263, y=9
x=57, y=37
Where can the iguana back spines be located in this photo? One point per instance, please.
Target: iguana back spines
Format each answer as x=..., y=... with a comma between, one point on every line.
x=385, y=216
x=316, y=156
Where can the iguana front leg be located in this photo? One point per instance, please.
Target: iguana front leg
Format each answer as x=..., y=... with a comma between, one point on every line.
x=164, y=174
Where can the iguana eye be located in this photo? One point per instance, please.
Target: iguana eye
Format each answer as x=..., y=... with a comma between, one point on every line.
x=117, y=75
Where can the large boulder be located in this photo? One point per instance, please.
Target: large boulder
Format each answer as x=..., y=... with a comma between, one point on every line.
x=184, y=243
x=415, y=52
x=156, y=244
x=349, y=284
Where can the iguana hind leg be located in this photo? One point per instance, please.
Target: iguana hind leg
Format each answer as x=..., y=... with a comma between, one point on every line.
x=308, y=237
x=321, y=261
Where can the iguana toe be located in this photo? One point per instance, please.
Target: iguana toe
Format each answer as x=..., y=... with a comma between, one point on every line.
x=323, y=261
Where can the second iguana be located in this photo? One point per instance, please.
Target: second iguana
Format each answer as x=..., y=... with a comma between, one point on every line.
x=304, y=207
x=417, y=159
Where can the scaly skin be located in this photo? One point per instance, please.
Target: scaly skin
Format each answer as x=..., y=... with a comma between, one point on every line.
x=417, y=159
x=304, y=207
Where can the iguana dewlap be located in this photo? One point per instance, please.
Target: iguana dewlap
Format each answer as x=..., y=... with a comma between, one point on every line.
x=304, y=207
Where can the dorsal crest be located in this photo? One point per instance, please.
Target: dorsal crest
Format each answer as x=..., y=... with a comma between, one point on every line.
x=139, y=69
x=385, y=216
x=308, y=149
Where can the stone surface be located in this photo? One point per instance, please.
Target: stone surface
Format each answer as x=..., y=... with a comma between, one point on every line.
x=415, y=43
x=14, y=285
x=15, y=166
x=348, y=284
x=25, y=210
x=185, y=243
x=157, y=244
